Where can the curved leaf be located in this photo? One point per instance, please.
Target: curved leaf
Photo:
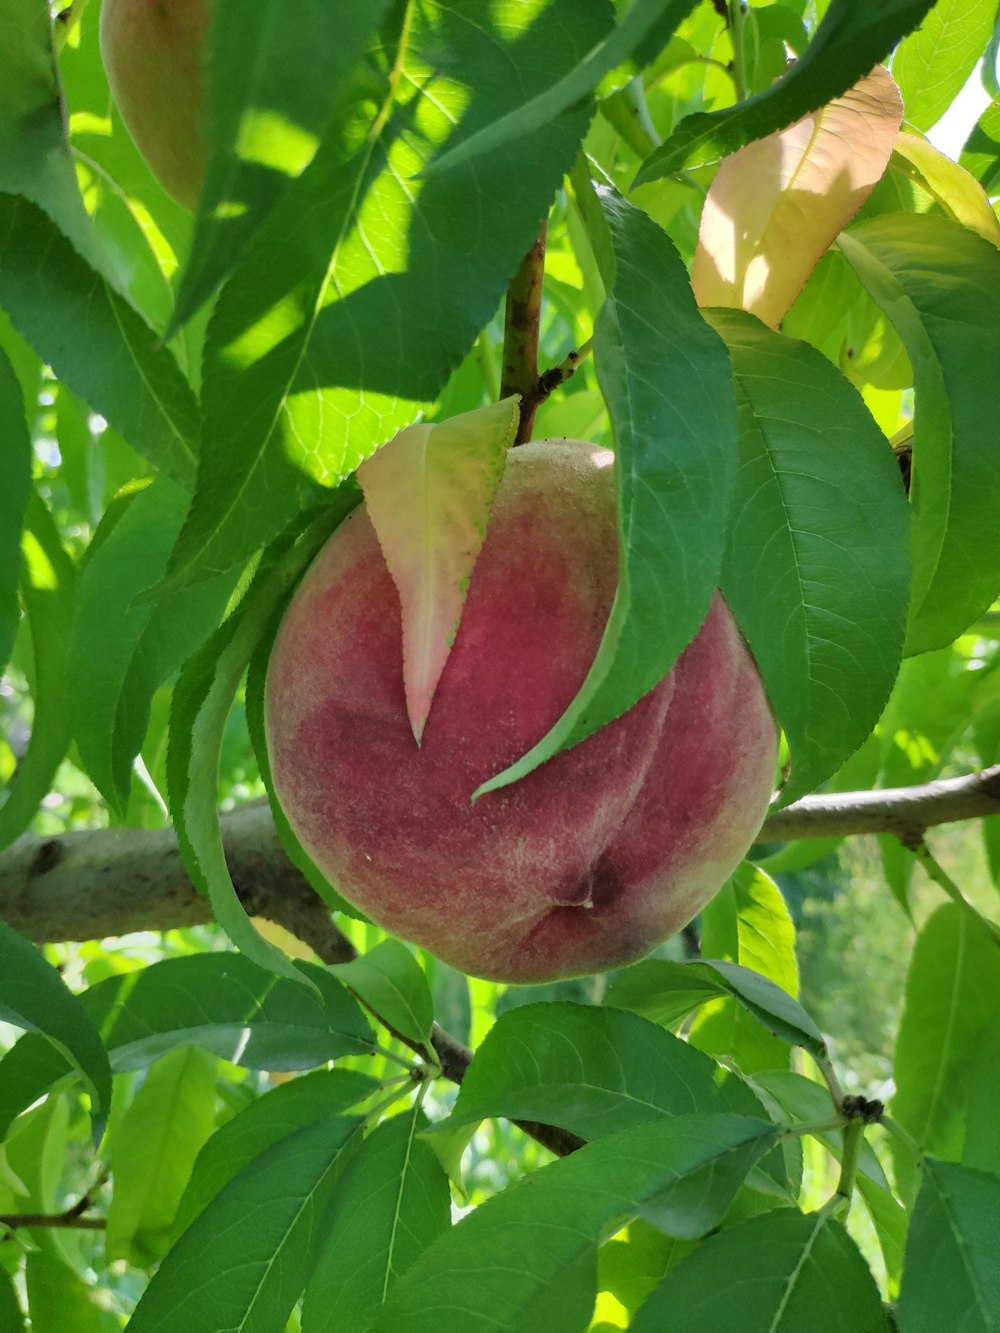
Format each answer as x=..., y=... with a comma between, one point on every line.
x=390, y=981
x=932, y=64
x=15, y=488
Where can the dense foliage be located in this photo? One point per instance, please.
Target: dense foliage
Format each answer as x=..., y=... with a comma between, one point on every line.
x=754, y=277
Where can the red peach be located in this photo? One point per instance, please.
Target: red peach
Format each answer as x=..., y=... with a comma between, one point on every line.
x=595, y=857
x=153, y=52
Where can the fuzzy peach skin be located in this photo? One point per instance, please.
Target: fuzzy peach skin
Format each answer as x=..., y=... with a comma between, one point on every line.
x=596, y=856
x=153, y=52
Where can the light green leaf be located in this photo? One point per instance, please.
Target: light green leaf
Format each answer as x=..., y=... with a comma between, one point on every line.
x=367, y=286
x=58, y=1298
x=267, y=101
x=815, y=568
x=390, y=981
x=153, y=1148
x=643, y=19
x=11, y=1315
x=262, y=1124
x=668, y=385
x=592, y=1071
x=94, y=340
x=932, y=64
x=201, y=704
x=952, y=999
x=981, y=1147
x=748, y=923
x=244, y=1261
x=939, y=284
x=391, y=1204
x=34, y=996
x=951, y=1278
x=527, y=1258
x=771, y=1274
x=428, y=493
x=849, y=41
x=48, y=594
x=15, y=488
x=955, y=189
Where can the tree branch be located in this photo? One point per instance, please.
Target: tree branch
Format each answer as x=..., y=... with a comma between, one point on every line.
x=520, y=335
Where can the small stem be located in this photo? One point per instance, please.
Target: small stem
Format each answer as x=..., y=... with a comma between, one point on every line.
x=940, y=876
x=520, y=335
x=736, y=30
x=854, y=1137
x=902, y=1136
x=832, y=1081
x=813, y=1127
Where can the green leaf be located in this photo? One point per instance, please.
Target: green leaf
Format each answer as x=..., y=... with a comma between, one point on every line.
x=48, y=593
x=592, y=1071
x=952, y=999
x=668, y=384
x=35, y=997
x=781, y=1272
x=261, y=1125
x=939, y=284
x=815, y=570
x=35, y=159
x=15, y=488
x=981, y=153
x=643, y=18
x=11, y=1315
x=429, y=493
x=153, y=1148
x=367, y=279
x=267, y=100
x=667, y=992
x=122, y=650
x=244, y=1261
x=933, y=64
x=390, y=981
x=58, y=1298
x=392, y=1202
x=748, y=923
x=201, y=704
x=955, y=189
x=951, y=1278
x=849, y=41
x=222, y=1002
x=527, y=1257
x=981, y=1147
x=94, y=340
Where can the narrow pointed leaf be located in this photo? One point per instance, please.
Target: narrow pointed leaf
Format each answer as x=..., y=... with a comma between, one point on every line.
x=668, y=384
x=591, y=1071
x=15, y=488
x=932, y=64
x=122, y=649
x=955, y=189
x=202, y=700
x=527, y=1258
x=367, y=286
x=815, y=571
x=34, y=996
x=428, y=493
x=94, y=340
x=263, y=1123
x=392, y=1203
x=777, y=205
x=393, y=985
x=243, y=1263
x=939, y=285
x=48, y=594
x=153, y=1148
x=640, y=21
x=981, y=154
x=219, y=1001
x=772, y=1274
x=951, y=1278
x=850, y=40
x=271, y=85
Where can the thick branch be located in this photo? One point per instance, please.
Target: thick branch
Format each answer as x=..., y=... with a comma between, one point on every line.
x=906, y=812
x=520, y=334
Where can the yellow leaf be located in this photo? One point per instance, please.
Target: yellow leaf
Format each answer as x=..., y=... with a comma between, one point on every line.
x=775, y=206
x=955, y=189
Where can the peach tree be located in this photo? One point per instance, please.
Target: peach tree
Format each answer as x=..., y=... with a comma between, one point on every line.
x=293, y=299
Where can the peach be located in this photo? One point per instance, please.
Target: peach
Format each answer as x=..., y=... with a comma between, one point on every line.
x=153, y=52
x=593, y=858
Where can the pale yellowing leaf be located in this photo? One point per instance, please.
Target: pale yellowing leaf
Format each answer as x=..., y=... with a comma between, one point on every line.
x=775, y=206
x=955, y=189
x=429, y=492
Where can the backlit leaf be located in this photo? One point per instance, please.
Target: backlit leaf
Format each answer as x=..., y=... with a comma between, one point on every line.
x=775, y=206
x=955, y=189
x=932, y=64
x=428, y=493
